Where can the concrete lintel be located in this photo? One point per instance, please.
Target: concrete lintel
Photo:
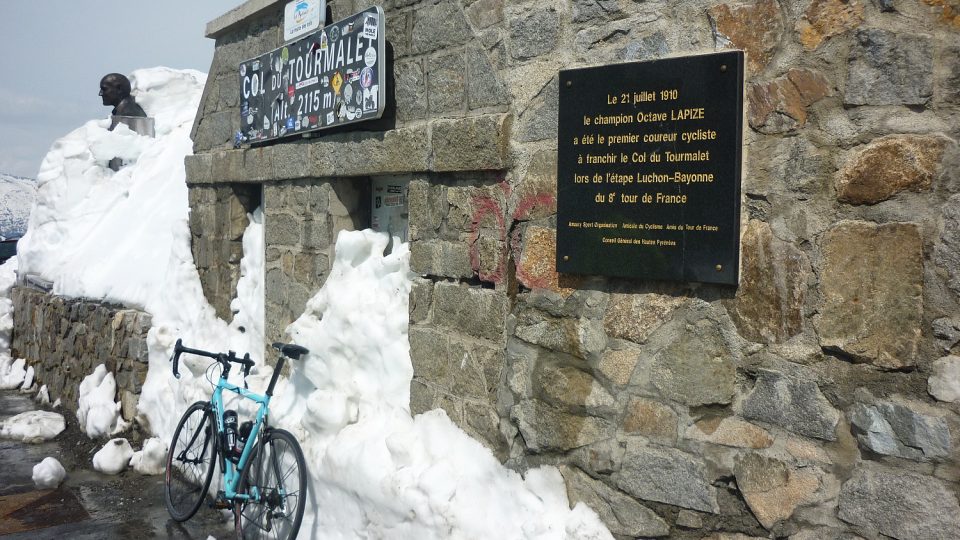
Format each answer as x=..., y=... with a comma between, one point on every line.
x=228, y=20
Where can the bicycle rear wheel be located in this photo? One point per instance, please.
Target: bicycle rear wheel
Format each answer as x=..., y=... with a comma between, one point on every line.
x=190, y=462
x=279, y=474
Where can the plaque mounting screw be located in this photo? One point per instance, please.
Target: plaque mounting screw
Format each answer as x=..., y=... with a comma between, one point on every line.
x=566, y=257
x=719, y=268
x=723, y=68
x=569, y=84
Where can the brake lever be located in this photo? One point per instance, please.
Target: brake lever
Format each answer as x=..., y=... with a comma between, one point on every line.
x=177, y=349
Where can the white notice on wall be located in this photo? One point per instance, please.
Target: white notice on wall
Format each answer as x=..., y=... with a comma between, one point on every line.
x=301, y=17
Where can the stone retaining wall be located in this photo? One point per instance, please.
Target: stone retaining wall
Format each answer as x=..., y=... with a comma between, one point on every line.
x=819, y=399
x=65, y=340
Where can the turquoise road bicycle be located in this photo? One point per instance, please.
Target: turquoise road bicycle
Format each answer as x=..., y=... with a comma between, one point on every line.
x=263, y=470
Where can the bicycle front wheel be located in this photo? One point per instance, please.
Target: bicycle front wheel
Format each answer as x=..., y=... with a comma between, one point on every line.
x=277, y=474
x=190, y=462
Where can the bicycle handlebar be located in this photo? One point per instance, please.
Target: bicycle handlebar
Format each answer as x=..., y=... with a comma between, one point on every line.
x=286, y=349
x=224, y=359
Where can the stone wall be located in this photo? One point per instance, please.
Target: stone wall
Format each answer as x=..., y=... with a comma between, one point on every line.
x=819, y=399
x=65, y=340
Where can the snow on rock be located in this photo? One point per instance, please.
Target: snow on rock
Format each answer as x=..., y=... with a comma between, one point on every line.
x=12, y=372
x=33, y=426
x=113, y=457
x=151, y=459
x=97, y=413
x=48, y=473
x=27, y=385
x=43, y=396
x=8, y=277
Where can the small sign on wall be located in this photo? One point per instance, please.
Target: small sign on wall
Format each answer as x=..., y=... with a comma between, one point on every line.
x=301, y=17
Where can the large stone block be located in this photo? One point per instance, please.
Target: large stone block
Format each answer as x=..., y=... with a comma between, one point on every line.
x=768, y=307
x=756, y=28
x=582, y=338
x=899, y=504
x=946, y=254
x=411, y=90
x=539, y=120
x=888, y=166
x=896, y=430
x=781, y=105
x=282, y=229
x=827, y=18
x=636, y=316
x=730, y=431
x=545, y=428
x=476, y=143
x=439, y=26
x=949, y=88
x=944, y=381
x=772, y=489
x=651, y=419
x=441, y=258
x=621, y=514
x=484, y=87
x=696, y=367
x=872, y=289
x=446, y=83
x=668, y=476
x=537, y=267
x=792, y=403
x=569, y=388
x=887, y=68
x=534, y=33
x=586, y=10
x=474, y=311
x=427, y=205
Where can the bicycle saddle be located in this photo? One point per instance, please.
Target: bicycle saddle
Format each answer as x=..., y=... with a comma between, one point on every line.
x=290, y=350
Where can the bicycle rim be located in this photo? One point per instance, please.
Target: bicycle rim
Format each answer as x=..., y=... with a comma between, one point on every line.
x=279, y=474
x=190, y=462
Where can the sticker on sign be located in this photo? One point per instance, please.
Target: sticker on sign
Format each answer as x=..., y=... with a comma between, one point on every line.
x=301, y=17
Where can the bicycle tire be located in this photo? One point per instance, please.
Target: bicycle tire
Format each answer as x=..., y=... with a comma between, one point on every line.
x=186, y=484
x=278, y=456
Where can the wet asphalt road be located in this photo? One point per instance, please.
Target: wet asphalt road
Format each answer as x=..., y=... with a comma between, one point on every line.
x=88, y=505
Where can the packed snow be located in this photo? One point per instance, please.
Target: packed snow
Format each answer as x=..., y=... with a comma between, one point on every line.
x=32, y=426
x=97, y=412
x=48, y=473
x=151, y=459
x=114, y=457
x=375, y=471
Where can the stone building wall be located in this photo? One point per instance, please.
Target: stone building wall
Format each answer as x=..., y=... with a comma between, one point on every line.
x=819, y=399
x=65, y=340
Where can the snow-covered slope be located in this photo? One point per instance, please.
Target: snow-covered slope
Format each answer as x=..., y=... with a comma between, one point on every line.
x=16, y=198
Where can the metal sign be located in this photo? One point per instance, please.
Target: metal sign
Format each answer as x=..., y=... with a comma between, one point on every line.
x=330, y=78
x=300, y=17
x=648, y=173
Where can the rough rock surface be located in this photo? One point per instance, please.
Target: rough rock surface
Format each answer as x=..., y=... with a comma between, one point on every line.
x=888, y=166
x=903, y=505
x=793, y=404
x=668, y=476
x=872, y=316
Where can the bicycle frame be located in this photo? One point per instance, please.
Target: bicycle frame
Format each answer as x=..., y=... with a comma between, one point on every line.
x=232, y=472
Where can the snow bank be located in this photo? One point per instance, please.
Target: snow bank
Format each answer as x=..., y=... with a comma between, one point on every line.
x=33, y=426
x=97, y=413
x=12, y=372
x=106, y=235
x=113, y=457
x=151, y=459
x=374, y=470
x=48, y=473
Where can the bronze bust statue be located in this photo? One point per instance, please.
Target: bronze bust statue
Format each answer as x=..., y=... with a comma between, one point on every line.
x=115, y=91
